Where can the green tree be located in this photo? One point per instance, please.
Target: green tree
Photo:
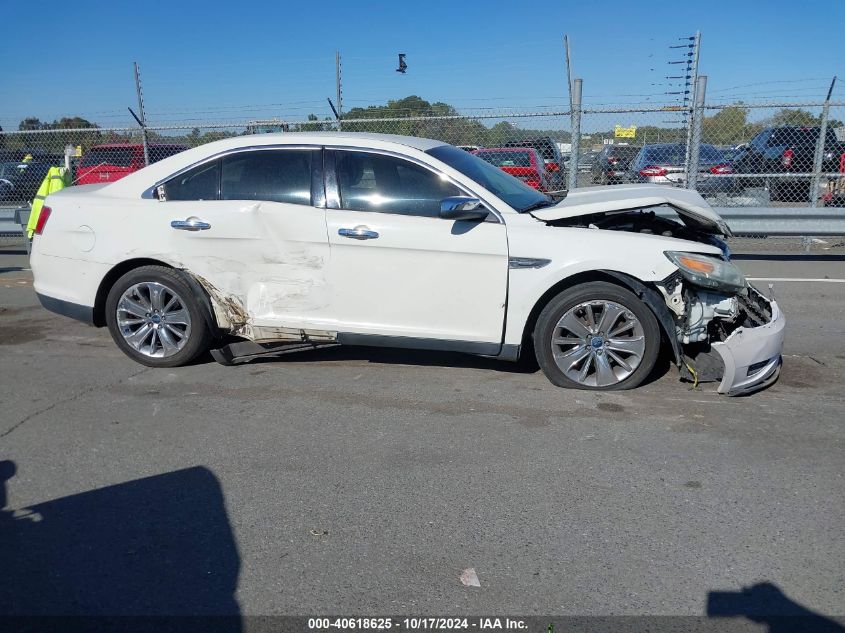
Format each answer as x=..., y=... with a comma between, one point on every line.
x=729, y=126
x=30, y=123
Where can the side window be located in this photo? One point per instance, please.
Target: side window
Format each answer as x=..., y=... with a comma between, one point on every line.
x=199, y=183
x=272, y=175
x=373, y=182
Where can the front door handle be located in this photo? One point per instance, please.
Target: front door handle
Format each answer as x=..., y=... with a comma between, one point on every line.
x=358, y=233
x=191, y=224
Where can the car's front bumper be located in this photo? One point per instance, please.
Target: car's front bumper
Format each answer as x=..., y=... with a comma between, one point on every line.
x=752, y=355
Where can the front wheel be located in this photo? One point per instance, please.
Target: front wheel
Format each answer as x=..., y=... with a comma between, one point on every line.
x=154, y=318
x=597, y=336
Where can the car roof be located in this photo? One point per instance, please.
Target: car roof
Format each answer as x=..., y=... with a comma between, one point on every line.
x=142, y=179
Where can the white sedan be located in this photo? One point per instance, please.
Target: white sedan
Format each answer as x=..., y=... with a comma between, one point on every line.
x=292, y=241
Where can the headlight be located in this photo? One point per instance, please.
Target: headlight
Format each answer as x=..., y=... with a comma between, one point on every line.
x=708, y=272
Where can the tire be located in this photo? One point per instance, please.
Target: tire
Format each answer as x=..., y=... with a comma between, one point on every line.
x=612, y=363
x=172, y=336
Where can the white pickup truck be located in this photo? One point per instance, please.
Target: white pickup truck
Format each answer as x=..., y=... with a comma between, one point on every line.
x=329, y=238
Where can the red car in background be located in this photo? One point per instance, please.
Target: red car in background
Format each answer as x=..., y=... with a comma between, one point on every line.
x=107, y=163
x=523, y=162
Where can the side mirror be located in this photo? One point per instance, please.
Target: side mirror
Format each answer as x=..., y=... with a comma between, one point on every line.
x=462, y=208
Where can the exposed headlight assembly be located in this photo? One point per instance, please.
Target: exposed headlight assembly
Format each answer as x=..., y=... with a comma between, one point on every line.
x=708, y=272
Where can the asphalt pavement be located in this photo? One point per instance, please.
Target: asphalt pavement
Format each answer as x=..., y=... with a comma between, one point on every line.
x=357, y=480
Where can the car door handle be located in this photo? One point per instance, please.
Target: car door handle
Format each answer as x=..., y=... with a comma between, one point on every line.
x=191, y=224
x=358, y=233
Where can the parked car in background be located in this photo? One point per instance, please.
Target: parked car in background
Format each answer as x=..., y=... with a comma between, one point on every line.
x=523, y=162
x=780, y=151
x=586, y=160
x=19, y=181
x=549, y=150
x=331, y=238
x=611, y=165
x=111, y=162
x=664, y=163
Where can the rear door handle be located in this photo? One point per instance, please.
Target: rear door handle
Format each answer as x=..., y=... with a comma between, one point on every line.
x=358, y=233
x=191, y=224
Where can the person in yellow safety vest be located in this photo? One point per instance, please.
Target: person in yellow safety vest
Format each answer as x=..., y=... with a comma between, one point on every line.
x=53, y=182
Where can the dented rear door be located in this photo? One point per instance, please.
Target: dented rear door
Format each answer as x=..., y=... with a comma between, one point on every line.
x=261, y=247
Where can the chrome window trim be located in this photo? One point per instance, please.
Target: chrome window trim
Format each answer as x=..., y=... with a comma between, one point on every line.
x=149, y=192
x=333, y=190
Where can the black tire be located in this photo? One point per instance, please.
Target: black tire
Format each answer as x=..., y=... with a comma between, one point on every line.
x=596, y=291
x=198, y=335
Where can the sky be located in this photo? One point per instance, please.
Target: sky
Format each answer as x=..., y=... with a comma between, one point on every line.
x=223, y=61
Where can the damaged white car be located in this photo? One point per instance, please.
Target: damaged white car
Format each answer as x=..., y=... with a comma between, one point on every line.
x=283, y=242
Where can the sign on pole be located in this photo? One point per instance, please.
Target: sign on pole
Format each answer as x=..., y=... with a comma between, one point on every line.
x=625, y=132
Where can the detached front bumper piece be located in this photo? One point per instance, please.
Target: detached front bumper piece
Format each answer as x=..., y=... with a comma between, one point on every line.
x=752, y=353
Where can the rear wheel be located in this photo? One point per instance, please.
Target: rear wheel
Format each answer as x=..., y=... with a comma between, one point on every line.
x=597, y=336
x=153, y=317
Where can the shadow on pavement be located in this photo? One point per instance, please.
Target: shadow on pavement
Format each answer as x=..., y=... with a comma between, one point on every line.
x=157, y=546
x=764, y=603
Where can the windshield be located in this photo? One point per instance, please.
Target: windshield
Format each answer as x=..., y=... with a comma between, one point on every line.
x=512, y=190
x=506, y=158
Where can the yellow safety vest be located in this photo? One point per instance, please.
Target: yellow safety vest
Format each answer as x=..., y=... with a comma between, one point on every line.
x=53, y=182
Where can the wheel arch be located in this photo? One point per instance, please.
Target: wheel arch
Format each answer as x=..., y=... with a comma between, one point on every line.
x=124, y=267
x=646, y=293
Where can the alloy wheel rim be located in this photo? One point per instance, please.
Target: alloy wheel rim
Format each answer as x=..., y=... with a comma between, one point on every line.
x=153, y=319
x=598, y=343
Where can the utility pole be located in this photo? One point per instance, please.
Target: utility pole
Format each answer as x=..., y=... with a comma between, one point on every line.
x=141, y=114
x=338, y=85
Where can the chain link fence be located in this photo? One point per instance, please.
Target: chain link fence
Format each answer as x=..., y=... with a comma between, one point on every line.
x=754, y=155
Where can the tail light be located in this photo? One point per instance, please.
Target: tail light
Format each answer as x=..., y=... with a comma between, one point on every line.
x=42, y=219
x=786, y=159
x=552, y=166
x=721, y=169
x=653, y=171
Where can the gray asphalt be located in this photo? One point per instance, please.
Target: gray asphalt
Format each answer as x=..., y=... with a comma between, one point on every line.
x=366, y=481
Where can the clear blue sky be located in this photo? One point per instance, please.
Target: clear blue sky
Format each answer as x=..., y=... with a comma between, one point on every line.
x=215, y=61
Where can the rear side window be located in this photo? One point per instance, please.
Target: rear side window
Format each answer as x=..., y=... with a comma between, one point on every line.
x=271, y=175
x=113, y=156
x=199, y=183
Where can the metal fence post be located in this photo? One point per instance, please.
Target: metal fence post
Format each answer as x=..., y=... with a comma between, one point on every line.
x=819, y=155
x=575, y=141
x=694, y=150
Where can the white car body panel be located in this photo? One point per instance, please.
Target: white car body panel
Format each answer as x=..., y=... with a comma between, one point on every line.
x=577, y=250
x=589, y=200
x=419, y=279
x=276, y=271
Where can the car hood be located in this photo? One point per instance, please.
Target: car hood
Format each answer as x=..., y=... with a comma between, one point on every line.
x=688, y=204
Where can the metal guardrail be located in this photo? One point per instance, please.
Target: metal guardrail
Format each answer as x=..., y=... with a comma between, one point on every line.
x=12, y=220
x=784, y=221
